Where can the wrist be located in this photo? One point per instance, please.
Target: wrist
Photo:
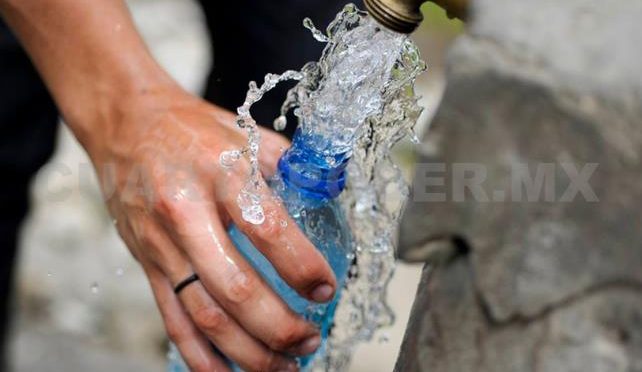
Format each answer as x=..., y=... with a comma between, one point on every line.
x=98, y=115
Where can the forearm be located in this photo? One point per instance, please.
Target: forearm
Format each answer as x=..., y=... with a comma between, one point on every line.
x=90, y=56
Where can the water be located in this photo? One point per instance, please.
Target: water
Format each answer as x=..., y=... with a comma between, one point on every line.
x=374, y=198
x=376, y=190
x=353, y=105
x=249, y=200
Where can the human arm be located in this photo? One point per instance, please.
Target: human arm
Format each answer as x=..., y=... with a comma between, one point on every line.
x=132, y=117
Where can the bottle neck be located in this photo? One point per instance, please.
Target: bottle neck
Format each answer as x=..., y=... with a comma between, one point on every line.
x=311, y=173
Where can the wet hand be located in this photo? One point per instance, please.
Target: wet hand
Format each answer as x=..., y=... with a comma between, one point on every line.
x=158, y=161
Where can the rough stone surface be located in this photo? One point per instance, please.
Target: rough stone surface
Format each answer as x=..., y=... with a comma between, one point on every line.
x=450, y=330
x=554, y=86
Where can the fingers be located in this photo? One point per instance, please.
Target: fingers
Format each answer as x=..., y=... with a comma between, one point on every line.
x=208, y=317
x=193, y=346
x=227, y=334
x=234, y=284
x=272, y=146
x=281, y=241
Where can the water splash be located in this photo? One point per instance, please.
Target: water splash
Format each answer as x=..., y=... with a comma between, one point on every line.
x=358, y=99
x=374, y=198
x=376, y=190
x=249, y=199
x=339, y=92
x=316, y=33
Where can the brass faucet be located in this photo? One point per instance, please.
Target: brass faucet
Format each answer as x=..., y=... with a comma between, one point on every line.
x=404, y=15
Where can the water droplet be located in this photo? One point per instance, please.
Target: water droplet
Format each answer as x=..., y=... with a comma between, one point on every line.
x=254, y=215
x=384, y=338
x=94, y=288
x=249, y=200
x=331, y=161
x=228, y=158
x=120, y=271
x=280, y=123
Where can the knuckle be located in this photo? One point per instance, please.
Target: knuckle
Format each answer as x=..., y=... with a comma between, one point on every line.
x=166, y=207
x=271, y=227
x=211, y=320
x=285, y=337
x=174, y=333
x=242, y=287
x=156, y=191
x=145, y=234
x=146, y=240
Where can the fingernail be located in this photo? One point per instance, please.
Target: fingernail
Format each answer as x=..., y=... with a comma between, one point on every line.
x=309, y=345
x=322, y=293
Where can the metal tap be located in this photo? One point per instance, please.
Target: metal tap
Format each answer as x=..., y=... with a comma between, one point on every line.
x=404, y=15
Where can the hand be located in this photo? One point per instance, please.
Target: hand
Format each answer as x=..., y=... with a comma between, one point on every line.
x=156, y=150
x=158, y=161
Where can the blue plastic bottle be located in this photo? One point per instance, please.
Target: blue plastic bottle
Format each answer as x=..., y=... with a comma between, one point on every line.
x=308, y=183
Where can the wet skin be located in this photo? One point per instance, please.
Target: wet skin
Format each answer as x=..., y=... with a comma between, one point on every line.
x=156, y=151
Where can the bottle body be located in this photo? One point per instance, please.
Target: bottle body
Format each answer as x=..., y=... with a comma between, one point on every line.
x=307, y=186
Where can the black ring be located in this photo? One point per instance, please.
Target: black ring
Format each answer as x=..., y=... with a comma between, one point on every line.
x=184, y=283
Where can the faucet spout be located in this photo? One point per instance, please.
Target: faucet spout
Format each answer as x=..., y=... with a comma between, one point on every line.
x=404, y=15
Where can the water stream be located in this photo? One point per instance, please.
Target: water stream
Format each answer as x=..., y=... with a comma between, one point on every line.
x=358, y=101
